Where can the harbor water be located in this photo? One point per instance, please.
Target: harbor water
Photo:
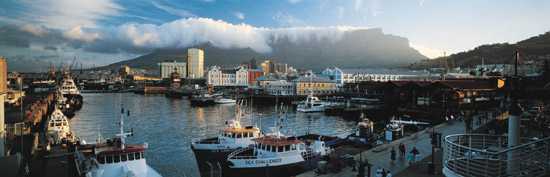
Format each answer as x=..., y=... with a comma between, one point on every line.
x=169, y=125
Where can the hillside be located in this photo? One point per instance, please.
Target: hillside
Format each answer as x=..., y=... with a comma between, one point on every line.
x=535, y=48
x=361, y=48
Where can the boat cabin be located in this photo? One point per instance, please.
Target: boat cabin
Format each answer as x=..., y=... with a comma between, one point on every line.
x=247, y=132
x=275, y=144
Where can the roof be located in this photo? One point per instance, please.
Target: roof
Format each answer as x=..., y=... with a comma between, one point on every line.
x=277, y=141
x=469, y=84
x=239, y=130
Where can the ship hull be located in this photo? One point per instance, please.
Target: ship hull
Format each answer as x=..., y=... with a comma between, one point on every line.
x=207, y=159
x=273, y=171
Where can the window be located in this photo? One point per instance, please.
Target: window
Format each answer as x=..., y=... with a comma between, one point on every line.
x=131, y=156
x=293, y=147
x=287, y=148
x=137, y=156
x=117, y=158
x=142, y=155
x=280, y=148
x=109, y=159
x=123, y=157
x=268, y=148
x=239, y=135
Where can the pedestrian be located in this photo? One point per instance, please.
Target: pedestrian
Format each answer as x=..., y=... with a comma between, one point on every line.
x=388, y=174
x=384, y=173
x=392, y=154
x=414, y=153
x=402, y=149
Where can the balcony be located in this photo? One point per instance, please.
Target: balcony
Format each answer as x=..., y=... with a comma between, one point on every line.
x=480, y=155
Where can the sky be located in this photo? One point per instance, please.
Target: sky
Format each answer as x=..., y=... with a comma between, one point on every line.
x=103, y=31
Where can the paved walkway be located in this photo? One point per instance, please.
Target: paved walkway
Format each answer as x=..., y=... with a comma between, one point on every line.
x=379, y=156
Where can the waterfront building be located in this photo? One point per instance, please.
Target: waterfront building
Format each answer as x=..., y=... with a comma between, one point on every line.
x=313, y=84
x=219, y=77
x=334, y=74
x=253, y=75
x=195, y=62
x=272, y=85
x=382, y=75
x=267, y=67
x=168, y=67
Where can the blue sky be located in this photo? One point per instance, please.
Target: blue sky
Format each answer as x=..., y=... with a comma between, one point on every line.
x=432, y=26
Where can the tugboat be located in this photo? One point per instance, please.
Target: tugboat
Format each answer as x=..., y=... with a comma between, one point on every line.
x=70, y=91
x=277, y=155
x=311, y=104
x=364, y=133
x=58, y=128
x=113, y=158
x=233, y=137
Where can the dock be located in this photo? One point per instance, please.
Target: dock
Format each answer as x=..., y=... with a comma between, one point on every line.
x=379, y=157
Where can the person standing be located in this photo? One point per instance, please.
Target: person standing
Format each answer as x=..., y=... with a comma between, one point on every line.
x=414, y=153
x=392, y=154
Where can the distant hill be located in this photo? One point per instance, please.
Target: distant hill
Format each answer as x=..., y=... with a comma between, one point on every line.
x=535, y=48
x=360, y=48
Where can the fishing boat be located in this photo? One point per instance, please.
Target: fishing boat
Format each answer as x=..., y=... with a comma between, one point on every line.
x=113, y=157
x=58, y=130
x=70, y=91
x=203, y=99
x=364, y=133
x=278, y=155
x=232, y=137
x=311, y=104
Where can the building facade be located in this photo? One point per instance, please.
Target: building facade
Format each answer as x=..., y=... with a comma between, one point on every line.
x=334, y=74
x=315, y=85
x=219, y=77
x=168, y=67
x=195, y=63
x=381, y=75
x=277, y=87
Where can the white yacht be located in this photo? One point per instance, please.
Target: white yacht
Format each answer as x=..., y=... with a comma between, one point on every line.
x=68, y=86
x=70, y=91
x=277, y=155
x=311, y=104
x=113, y=158
x=222, y=100
x=58, y=127
x=231, y=138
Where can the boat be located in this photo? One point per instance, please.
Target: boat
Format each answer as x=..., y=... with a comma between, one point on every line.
x=203, y=99
x=63, y=105
x=215, y=150
x=221, y=100
x=70, y=91
x=364, y=133
x=311, y=104
x=277, y=155
x=113, y=157
x=58, y=130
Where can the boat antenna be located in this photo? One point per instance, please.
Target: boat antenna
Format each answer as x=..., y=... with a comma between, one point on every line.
x=123, y=134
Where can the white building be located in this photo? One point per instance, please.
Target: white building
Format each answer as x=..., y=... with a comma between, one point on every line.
x=381, y=75
x=168, y=67
x=279, y=87
x=334, y=74
x=219, y=77
x=195, y=62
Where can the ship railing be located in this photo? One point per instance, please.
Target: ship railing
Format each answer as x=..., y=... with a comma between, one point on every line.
x=205, y=141
x=488, y=155
x=235, y=154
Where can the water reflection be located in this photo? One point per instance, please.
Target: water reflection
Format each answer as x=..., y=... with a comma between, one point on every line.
x=169, y=125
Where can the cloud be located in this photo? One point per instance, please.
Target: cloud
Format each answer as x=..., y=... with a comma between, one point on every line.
x=294, y=1
x=421, y=3
x=427, y=51
x=137, y=38
x=66, y=14
x=239, y=15
x=36, y=30
x=174, y=11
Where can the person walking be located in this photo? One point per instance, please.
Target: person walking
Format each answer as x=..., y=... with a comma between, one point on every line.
x=414, y=153
x=402, y=150
x=392, y=155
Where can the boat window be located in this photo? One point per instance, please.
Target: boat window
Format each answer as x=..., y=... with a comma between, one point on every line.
x=117, y=158
x=142, y=155
x=58, y=124
x=137, y=156
x=123, y=157
x=262, y=146
x=109, y=159
x=280, y=148
x=101, y=159
x=293, y=147
x=273, y=148
x=232, y=135
x=239, y=135
x=287, y=147
x=131, y=156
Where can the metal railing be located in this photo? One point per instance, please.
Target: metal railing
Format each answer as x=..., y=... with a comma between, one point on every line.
x=481, y=155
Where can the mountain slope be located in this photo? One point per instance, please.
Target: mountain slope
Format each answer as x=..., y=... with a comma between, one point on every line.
x=360, y=48
x=534, y=48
